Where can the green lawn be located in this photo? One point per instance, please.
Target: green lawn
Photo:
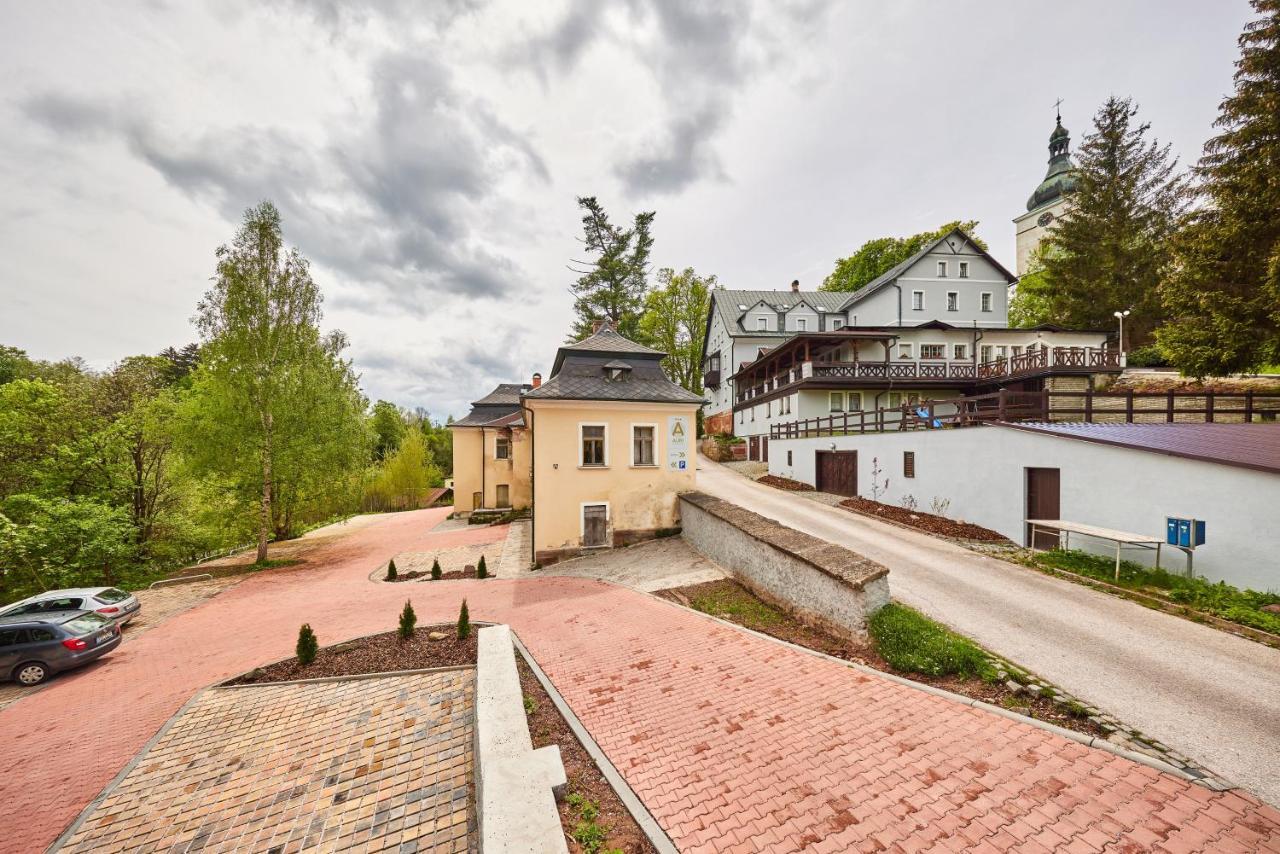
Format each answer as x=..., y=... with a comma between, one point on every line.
x=1221, y=599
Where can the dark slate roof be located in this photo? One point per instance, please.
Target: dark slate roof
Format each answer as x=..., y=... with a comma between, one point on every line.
x=1255, y=446
x=505, y=393
x=894, y=272
x=607, y=341
x=579, y=373
x=497, y=405
x=727, y=303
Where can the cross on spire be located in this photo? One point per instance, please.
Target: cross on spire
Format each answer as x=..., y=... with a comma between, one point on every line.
x=1057, y=105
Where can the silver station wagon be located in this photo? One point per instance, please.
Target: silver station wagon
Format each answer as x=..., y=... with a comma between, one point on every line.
x=116, y=605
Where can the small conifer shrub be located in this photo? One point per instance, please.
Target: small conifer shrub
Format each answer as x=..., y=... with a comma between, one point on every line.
x=408, y=620
x=435, y=570
x=391, y=570
x=482, y=571
x=307, y=645
x=464, y=622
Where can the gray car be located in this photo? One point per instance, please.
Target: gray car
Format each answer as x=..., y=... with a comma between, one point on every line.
x=114, y=604
x=32, y=647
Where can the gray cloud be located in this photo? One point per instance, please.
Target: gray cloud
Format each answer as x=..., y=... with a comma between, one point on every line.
x=409, y=187
x=701, y=55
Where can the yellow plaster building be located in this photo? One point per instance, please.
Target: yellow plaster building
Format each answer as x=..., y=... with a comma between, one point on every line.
x=599, y=452
x=492, y=460
x=613, y=446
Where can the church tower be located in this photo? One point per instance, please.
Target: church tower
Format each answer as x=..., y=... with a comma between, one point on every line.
x=1049, y=201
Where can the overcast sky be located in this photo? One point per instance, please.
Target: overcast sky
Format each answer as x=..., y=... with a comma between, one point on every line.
x=427, y=162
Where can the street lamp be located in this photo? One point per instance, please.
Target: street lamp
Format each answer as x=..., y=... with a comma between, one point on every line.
x=1120, y=316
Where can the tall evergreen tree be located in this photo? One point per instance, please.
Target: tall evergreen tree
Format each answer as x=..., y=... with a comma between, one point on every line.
x=1110, y=250
x=611, y=286
x=1224, y=290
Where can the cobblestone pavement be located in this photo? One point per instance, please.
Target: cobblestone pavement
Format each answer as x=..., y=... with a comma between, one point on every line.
x=367, y=763
x=658, y=565
x=734, y=742
x=157, y=606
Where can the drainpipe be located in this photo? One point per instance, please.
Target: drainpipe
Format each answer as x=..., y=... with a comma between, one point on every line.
x=482, y=484
x=533, y=467
x=898, y=288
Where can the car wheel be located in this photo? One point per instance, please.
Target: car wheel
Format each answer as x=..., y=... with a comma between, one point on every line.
x=31, y=673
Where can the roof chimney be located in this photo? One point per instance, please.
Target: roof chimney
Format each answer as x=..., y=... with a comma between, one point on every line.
x=795, y=286
x=597, y=325
x=537, y=380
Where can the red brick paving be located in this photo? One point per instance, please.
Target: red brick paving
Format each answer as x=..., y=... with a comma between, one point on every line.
x=733, y=742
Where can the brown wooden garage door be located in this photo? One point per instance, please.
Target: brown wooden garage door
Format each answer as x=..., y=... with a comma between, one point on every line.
x=837, y=471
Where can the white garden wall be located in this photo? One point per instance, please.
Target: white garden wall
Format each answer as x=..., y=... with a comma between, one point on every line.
x=981, y=470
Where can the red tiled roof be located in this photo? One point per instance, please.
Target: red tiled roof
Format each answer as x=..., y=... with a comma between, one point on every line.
x=1255, y=446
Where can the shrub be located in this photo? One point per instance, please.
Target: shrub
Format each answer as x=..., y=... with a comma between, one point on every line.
x=482, y=571
x=307, y=646
x=464, y=622
x=1150, y=356
x=408, y=620
x=435, y=570
x=913, y=643
x=391, y=570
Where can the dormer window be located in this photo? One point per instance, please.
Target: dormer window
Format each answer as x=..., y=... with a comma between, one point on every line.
x=762, y=324
x=802, y=324
x=616, y=371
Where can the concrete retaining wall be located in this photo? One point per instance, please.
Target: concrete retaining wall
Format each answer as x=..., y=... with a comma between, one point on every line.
x=515, y=784
x=818, y=582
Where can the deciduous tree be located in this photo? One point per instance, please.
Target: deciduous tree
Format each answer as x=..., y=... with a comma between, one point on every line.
x=878, y=256
x=675, y=316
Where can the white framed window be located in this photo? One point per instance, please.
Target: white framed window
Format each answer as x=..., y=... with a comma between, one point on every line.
x=1016, y=349
x=502, y=448
x=904, y=350
x=836, y=323
x=802, y=324
x=964, y=269
x=953, y=300
x=854, y=403
x=933, y=351
x=643, y=441
x=835, y=401
x=1002, y=351
x=593, y=445
x=985, y=353
x=768, y=409
x=753, y=412
x=959, y=351
x=986, y=300
x=917, y=300
x=762, y=324
x=942, y=269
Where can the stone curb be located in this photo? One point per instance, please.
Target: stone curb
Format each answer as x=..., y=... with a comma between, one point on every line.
x=1078, y=737
x=515, y=785
x=648, y=824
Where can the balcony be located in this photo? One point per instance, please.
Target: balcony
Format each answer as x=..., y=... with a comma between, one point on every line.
x=711, y=378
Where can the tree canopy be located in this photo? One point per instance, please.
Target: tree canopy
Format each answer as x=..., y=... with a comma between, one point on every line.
x=878, y=256
x=1223, y=291
x=1110, y=250
x=611, y=285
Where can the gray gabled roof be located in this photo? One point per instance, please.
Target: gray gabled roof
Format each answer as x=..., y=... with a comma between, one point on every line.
x=580, y=373
x=726, y=303
x=897, y=270
x=498, y=404
x=505, y=393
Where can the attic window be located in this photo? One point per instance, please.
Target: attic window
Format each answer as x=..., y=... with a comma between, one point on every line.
x=616, y=371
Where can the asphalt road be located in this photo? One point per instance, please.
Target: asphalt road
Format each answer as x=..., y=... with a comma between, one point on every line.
x=1208, y=694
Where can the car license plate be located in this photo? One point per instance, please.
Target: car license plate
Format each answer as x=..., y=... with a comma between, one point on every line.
x=103, y=637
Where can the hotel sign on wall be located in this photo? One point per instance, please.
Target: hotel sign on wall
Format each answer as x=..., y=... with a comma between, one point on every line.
x=678, y=458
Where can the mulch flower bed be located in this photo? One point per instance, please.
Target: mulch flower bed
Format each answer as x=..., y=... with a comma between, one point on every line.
x=377, y=654
x=927, y=522
x=771, y=621
x=784, y=483
x=546, y=726
x=451, y=575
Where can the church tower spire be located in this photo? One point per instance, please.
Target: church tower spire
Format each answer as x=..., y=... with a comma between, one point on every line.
x=1050, y=199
